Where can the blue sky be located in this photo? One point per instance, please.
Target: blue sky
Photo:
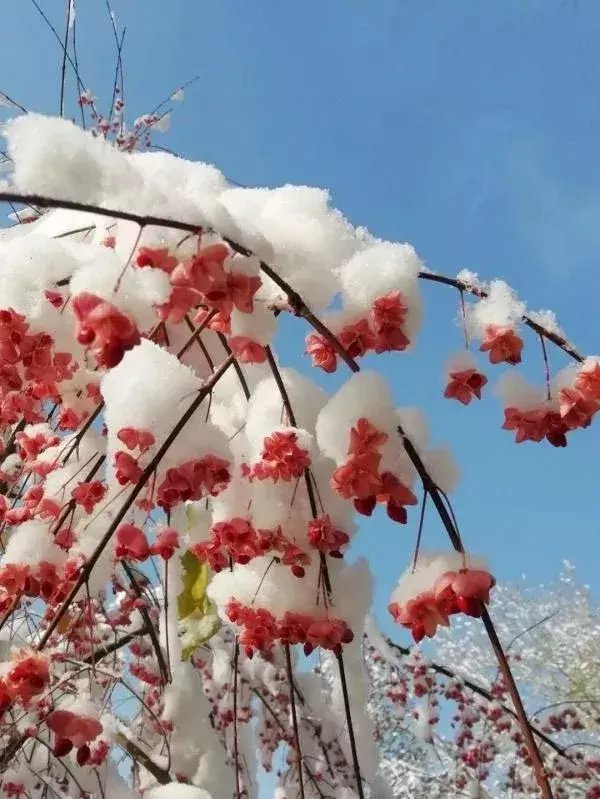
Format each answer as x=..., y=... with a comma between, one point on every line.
x=469, y=129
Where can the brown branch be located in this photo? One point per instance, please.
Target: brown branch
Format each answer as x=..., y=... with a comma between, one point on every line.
x=290, y=677
x=295, y=301
x=559, y=341
x=114, y=646
x=136, y=753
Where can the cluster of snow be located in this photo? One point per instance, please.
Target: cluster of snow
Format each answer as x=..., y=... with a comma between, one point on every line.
x=501, y=308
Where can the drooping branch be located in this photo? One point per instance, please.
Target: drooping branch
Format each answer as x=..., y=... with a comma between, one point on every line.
x=295, y=301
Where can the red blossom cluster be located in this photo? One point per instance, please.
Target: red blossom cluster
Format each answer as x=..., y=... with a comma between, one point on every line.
x=462, y=591
x=574, y=408
x=45, y=580
x=25, y=679
x=131, y=543
x=237, y=541
x=73, y=731
x=261, y=630
x=30, y=370
x=203, y=280
x=360, y=479
x=201, y=477
x=382, y=331
x=281, y=458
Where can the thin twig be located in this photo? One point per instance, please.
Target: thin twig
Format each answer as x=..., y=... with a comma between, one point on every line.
x=290, y=677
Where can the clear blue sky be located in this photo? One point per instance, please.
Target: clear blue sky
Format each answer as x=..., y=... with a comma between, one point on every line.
x=468, y=128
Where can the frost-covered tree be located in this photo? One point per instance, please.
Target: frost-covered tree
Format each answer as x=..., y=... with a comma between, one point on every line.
x=177, y=503
x=442, y=715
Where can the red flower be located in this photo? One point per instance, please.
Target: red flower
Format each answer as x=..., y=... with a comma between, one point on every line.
x=28, y=677
x=165, y=544
x=357, y=339
x=464, y=590
x=281, y=458
x=588, y=381
x=158, y=258
x=88, y=495
x=365, y=437
x=576, y=410
x=422, y=615
x=133, y=438
x=246, y=350
x=128, y=469
x=503, y=344
x=107, y=331
x=79, y=730
x=241, y=289
x=388, y=314
x=321, y=352
x=325, y=537
x=131, y=543
x=358, y=478
x=465, y=385
x=396, y=495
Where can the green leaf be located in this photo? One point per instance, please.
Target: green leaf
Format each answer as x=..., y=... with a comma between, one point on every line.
x=198, y=619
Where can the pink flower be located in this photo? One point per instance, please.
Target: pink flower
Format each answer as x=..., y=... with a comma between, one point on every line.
x=465, y=385
x=242, y=289
x=282, y=458
x=325, y=537
x=88, y=495
x=133, y=438
x=464, y=590
x=358, y=477
x=157, y=258
x=165, y=544
x=388, y=315
x=246, y=350
x=422, y=616
x=321, y=352
x=576, y=409
x=365, y=437
x=204, y=272
x=357, y=339
x=107, y=331
x=396, y=495
x=503, y=344
x=535, y=425
x=79, y=730
x=181, y=300
x=588, y=381
x=328, y=634
x=128, y=469
x=131, y=543
x=28, y=677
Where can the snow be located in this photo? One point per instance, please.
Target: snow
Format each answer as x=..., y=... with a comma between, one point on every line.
x=175, y=790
